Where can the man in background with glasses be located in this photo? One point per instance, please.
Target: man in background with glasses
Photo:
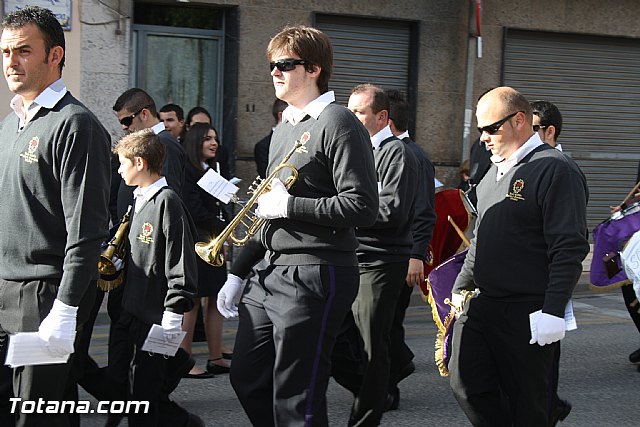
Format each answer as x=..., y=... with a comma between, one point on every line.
x=547, y=121
x=526, y=258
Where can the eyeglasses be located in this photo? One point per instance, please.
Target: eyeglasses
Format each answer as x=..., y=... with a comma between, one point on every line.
x=126, y=121
x=494, y=127
x=286, y=64
x=536, y=128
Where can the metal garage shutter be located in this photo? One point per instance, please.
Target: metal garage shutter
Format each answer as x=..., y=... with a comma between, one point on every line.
x=367, y=51
x=595, y=82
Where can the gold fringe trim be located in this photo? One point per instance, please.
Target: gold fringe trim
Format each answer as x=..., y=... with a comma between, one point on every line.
x=609, y=287
x=109, y=285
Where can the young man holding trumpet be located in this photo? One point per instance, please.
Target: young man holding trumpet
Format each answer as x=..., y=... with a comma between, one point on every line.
x=307, y=275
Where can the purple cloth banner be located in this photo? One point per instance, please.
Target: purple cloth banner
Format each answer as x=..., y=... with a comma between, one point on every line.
x=609, y=237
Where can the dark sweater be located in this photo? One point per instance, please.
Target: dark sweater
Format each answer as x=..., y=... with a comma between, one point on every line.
x=531, y=232
x=390, y=238
x=161, y=267
x=202, y=206
x=335, y=192
x=424, y=219
x=261, y=155
x=55, y=181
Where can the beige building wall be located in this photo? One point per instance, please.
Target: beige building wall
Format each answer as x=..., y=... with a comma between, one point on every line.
x=99, y=55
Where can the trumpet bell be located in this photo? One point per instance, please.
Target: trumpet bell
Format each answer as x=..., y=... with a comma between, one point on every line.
x=206, y=253
x=105, y=266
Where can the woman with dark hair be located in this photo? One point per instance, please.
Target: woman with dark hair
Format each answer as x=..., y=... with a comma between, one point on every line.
x=201, y=145
x=201, y=115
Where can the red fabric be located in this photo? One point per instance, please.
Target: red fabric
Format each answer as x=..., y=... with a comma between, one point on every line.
x=446, y=241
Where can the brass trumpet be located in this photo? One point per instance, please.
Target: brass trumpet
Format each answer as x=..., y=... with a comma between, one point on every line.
x=110, y=277
x=246, y=219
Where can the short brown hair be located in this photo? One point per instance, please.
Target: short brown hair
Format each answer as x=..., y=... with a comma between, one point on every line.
x=380, y=99
x=145, y=144
x=311, y=45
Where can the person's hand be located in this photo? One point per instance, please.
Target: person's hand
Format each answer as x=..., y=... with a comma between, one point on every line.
x=456, y=303
x=171, y=325
x=415, y=273
x=549, y=329
x=273, y=204
x=229, y=296
x=58, y=329
x=117, y=263
x=615, y=209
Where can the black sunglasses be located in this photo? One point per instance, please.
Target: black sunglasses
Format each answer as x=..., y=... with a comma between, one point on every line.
x=536, y=128
x=494, y=127
x=286, y=64
x=126, y=121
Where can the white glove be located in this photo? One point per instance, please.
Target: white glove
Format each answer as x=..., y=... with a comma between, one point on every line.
x=58, y=329
x=229, y=296
x=171, y=324
x=273, y=204
x=456, y=301
x=117, y=263
x=549, y=329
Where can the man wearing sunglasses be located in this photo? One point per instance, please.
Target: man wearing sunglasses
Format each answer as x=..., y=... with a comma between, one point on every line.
x=547, y=121
x=307, y=275
x=525, y=259
x=136, y=110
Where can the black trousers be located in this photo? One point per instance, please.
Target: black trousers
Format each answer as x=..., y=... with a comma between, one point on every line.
x=399, y=352
x=23, y=306
x=289, y=319
x=373, y=312
x=141, y=373
x=498, y=378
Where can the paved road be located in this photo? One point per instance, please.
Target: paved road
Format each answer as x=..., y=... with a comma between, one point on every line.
x=596, y=376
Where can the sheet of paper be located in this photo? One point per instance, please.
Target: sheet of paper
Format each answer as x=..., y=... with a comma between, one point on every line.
x=156, y=343
x=214, y=184
x=27, y=348
x=569, y=319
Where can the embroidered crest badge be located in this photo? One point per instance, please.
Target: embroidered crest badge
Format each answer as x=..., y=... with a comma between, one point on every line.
x=31, y=156
x=515, y=195
x=303, y=140
x=145, y=236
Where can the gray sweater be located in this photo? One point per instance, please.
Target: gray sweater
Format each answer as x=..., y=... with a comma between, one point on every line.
x=335, y=192
x=161, y=267
x=55, y=178
x=390, y=238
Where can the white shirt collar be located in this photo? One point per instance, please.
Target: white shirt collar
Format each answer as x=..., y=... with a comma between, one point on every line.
x=48, y=98
x=294, y=115
x=504, y=165
x=143, y=194
x=158, y=127
x=382, y=134
x=558, y=147
x=404, y=135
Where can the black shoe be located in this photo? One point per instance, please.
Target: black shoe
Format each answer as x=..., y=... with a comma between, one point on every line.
x=393, y=399
x=201, y=375
x=635, y=356
x=227, y=356
x=217, y=369
x=559, y=412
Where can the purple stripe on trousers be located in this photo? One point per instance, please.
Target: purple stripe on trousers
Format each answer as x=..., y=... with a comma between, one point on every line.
x=308, y=416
